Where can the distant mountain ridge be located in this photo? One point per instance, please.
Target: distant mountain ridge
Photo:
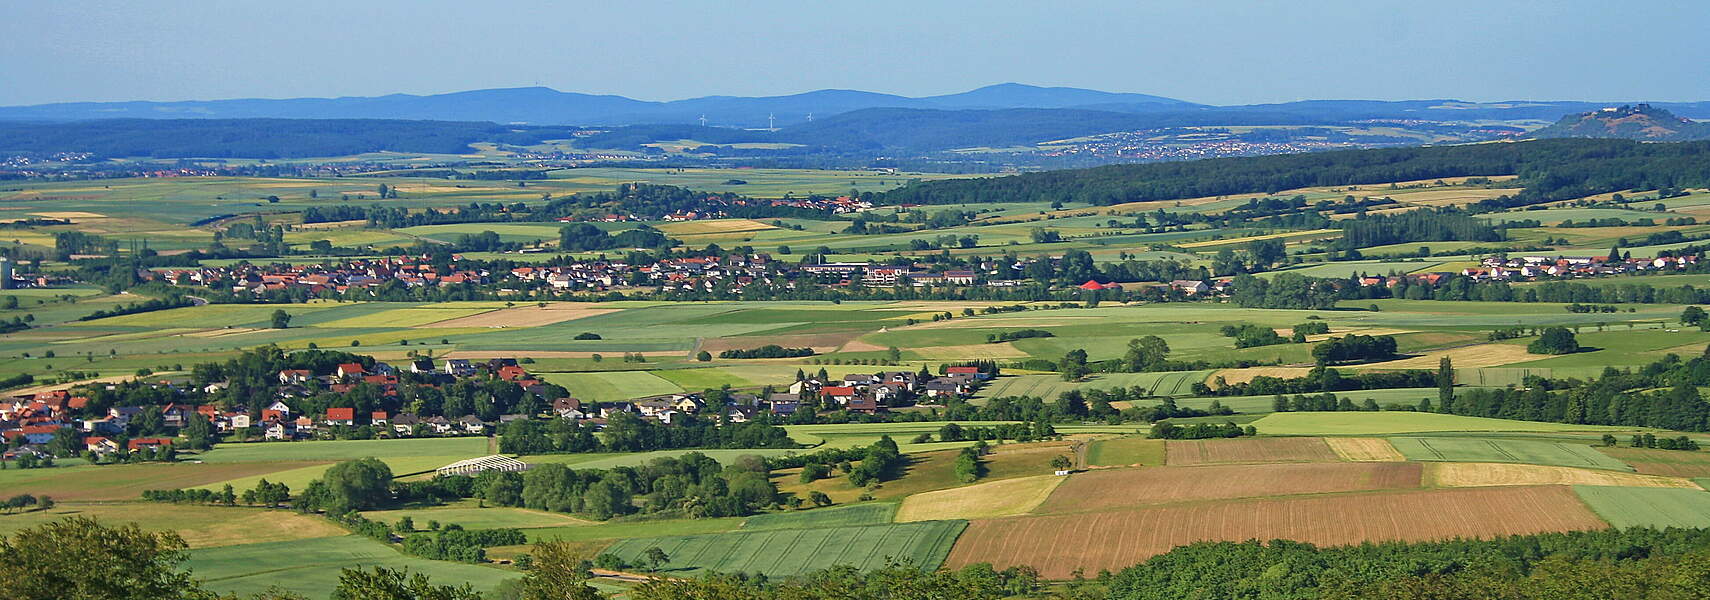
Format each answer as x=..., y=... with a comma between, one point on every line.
x=1636, y=122
x=546, y=106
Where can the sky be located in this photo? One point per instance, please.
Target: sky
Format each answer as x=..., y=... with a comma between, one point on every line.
x=1209, y=51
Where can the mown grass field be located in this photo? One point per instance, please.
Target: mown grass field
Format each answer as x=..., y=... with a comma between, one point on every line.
x=1126, y=451
x=1505, y=451
x=872, y=513
x=787, y=552
x=200, y=526
x=311, y=567
x=478, y=518
x=1647, y=507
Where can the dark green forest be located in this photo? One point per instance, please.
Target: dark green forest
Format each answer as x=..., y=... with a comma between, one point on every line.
x=1549, y=170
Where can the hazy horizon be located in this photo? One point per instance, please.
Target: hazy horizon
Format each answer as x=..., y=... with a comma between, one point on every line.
x=1206, y=52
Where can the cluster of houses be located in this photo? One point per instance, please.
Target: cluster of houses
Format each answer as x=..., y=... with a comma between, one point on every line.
x=734, y=271
x=414, y=271
x=31, y=421
x=860, y=393
x=1528, y=267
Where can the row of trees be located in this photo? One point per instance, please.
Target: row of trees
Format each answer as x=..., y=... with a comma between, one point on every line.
x=626, y=432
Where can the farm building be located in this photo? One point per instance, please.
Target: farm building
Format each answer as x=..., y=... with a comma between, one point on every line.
x=486, y=463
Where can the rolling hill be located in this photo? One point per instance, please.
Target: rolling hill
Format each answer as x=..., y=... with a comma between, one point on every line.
x=1636, y=122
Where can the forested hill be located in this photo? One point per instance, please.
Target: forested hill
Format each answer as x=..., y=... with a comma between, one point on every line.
x=261, y=138
x=1641, y=122
x=1549, y=169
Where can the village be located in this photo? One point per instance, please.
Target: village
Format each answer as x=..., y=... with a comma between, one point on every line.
x=37, y=426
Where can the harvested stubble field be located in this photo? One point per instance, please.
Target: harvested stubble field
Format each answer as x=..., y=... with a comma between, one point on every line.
x=1492, y=474
x=1365, y=449
x=524, y=316
x=1663, y=462
x=1251, y=450
x=1477, y=355
x=1002, y=498
x=1233, y=376
x=1126, y=488
x=1058, y=545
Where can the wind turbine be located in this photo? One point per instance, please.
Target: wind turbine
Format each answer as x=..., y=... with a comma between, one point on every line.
x=769, y=122
x=703, y=120
x=810, y=117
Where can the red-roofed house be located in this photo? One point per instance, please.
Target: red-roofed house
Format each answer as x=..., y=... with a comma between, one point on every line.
x=100, y=445
x=1094, y=286
x=140, y=443
x=841, y=394
x=512, y=373
x=341, y=416
x=348, y=370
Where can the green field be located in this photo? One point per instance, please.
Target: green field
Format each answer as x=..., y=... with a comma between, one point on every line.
x=311, y=567
x=873, y=513
x=787, y=552
x=1473, y=449
x=612, y=530
x=1126, y=451
x=1647, y=507
x=1394, y=422
x=478, y=518
x=614, y=386
x=1176, y=383
x=462, y=447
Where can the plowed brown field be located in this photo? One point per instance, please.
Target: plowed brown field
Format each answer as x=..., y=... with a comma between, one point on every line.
x=1059, y=544
x=1128, y=488
x=1253, y=450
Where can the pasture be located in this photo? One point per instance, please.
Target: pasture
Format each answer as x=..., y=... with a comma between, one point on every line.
x=787, y=552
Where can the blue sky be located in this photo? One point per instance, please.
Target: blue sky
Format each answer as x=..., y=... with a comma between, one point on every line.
x=1219, y=52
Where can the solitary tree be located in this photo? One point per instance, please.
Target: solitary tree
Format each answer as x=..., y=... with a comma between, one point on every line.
x=1060, y=462
x=1554, y=340
x=1445, y=383
x=656, y=558
x=1692, y=316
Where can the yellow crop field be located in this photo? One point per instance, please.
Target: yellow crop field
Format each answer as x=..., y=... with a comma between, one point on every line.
x=1493, y=474
x=1003, y=498
x=1365, y=449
